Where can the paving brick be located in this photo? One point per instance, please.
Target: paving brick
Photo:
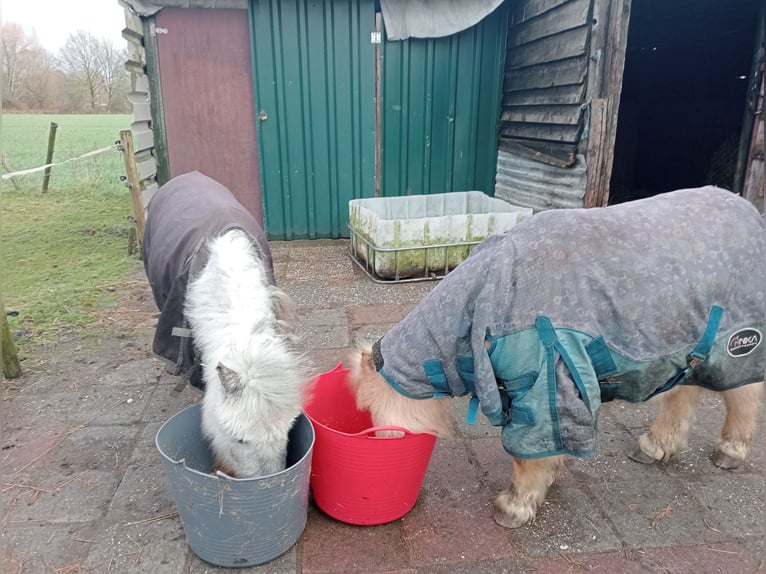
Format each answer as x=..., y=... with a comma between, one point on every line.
x=663, y=512
x=44, y=547
x=330, y=546
x=374, y=315
x=156, y=547
x=29, y=446
x=440, y=530
x=52, y=498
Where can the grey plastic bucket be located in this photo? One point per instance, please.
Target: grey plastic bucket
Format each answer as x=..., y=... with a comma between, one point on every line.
x=235, y=522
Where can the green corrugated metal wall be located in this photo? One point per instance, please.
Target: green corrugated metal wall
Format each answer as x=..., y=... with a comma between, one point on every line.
x=315, y=82
x=441, y=110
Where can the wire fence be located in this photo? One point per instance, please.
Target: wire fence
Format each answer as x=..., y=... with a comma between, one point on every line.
x=99, y=167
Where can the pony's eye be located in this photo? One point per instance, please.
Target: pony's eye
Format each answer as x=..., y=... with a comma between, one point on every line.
x=242, y=441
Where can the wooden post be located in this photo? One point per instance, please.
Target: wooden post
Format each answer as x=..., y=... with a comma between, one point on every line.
x=11, y=366
x=134, y=184
x=49, y=155
x=9, y=169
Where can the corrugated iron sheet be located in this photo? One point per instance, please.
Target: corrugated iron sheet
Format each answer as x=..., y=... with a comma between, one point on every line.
x=441, y=107
x=315, y=109
x=530, y=183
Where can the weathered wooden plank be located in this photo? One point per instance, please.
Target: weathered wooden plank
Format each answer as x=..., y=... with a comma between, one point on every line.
x=551, y=114
x=149, y=190
x=560, y=73
x=568, y=44
x=599, y=30
x=570, y=15
x=147, y=167
x=597, y=141
x=142, y=84
x=614, y=66
x=523, y=10
x=552, y=133
x=571, y=94
x=143, y=138
x=556, y=154
x=141, y=108
x=133, y=22
x=134, y=67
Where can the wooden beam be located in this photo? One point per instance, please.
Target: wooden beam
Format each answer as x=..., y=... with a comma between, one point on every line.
x=596, y=193
x=134, y=184
x=11, y=365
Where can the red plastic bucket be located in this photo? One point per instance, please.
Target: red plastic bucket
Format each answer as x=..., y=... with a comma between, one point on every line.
x=357, y=477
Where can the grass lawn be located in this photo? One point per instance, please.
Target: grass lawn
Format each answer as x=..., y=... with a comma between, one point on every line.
x=62, y=251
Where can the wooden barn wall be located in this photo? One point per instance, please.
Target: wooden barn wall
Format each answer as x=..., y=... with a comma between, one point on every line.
x=206, y=78
x=545, y=79
x=140, y=99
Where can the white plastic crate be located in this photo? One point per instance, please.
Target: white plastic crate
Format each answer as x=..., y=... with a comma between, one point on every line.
x=418, y=237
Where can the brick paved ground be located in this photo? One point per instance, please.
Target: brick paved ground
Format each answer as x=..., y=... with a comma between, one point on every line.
x=83, y=489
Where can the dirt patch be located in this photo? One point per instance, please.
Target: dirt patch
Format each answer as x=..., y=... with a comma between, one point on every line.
x=121, y=332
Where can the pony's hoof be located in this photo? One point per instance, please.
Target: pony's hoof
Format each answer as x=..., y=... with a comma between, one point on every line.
x=510, y=520
x=512, y=511
x=639, y=455
x=726, y=462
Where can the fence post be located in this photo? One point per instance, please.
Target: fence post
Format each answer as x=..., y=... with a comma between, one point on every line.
x=49, y=155
x=11, y=366
x=134, y=184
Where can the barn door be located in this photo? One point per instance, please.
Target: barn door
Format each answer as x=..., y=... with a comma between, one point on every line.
x=314, y=78
x=206, y=90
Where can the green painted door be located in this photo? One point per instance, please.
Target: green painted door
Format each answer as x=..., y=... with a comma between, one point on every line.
x=314, y=75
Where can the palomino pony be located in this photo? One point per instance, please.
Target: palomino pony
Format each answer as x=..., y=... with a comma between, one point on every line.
x=223, y=323
x=662, y=297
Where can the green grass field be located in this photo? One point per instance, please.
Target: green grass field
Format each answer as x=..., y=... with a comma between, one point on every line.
x=63, y=250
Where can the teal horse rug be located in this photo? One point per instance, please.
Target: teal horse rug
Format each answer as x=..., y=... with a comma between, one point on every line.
x=574, y=307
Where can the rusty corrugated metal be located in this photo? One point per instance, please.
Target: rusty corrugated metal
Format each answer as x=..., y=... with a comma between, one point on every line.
x=530, y=183
x=207, y=98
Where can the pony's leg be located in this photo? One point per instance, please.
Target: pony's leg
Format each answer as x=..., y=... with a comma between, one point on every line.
x=517, y=505
x=668, y=434
x=742, y=407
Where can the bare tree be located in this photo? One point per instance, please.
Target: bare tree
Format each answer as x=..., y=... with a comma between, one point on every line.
x=114, y=77
x=39, y=80
x=27, y=69
x=97, y=69
x=79, y=58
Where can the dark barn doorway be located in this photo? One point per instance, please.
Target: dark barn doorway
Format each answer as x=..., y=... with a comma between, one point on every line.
x=684, y=90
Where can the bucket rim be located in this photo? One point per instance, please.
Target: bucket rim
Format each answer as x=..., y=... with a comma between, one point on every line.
x=219, y=474
x=363, y=434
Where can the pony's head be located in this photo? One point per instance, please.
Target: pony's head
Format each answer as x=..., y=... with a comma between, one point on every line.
x=254, y=394
x=387, y=407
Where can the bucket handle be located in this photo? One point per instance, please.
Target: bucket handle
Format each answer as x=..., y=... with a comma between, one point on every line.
x=372, y=430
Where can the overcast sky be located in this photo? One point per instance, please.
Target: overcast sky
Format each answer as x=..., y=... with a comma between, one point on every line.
x=54, y=20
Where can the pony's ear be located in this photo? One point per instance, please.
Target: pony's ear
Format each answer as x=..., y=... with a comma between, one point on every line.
x=229, y=378
x=366, y=360
x=284, y=308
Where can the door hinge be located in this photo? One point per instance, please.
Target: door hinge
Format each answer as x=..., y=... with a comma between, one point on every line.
x=375, y=37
